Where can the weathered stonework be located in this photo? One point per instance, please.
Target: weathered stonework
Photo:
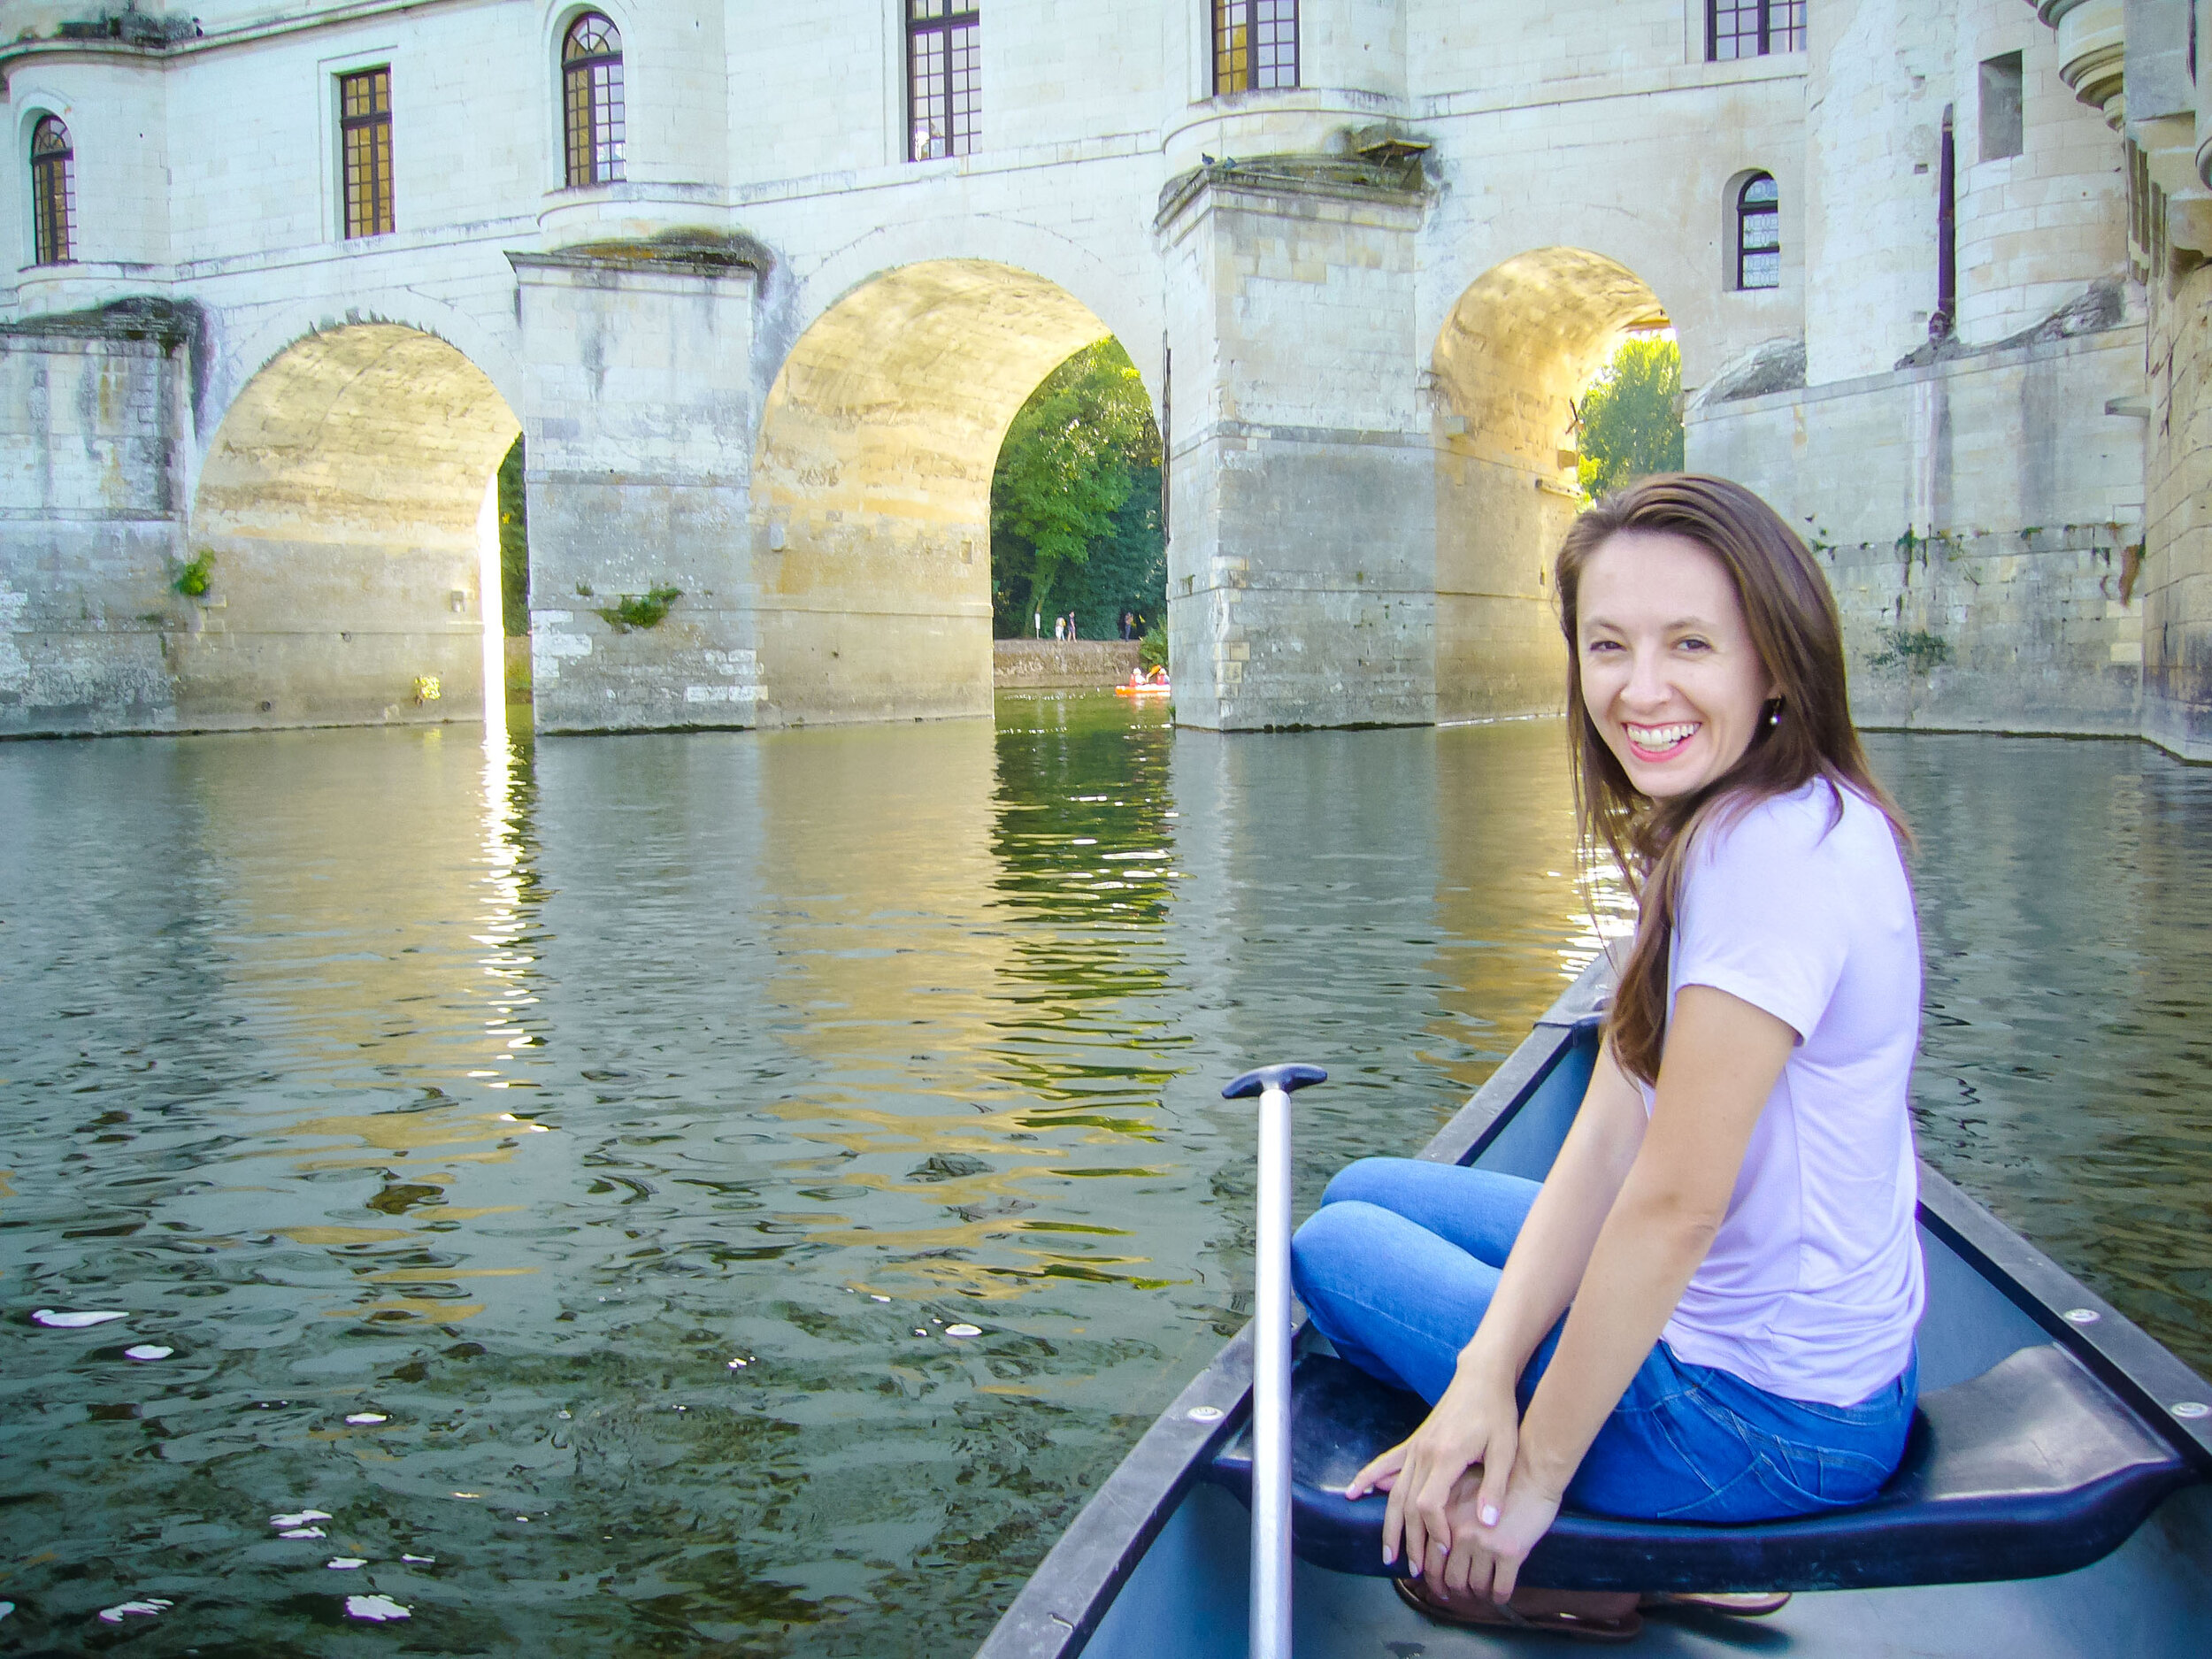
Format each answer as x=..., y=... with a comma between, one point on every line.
x=1062, y=664
x=770, y=369
x=1969, y=503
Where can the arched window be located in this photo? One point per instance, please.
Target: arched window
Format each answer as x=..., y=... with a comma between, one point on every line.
x=53, y=193
x=1255, y=44
x=1759, y=233
x=591, y=99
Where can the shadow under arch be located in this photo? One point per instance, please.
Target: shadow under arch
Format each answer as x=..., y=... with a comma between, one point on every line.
x=872, y=486
x=343, y=508
x=1516, y=348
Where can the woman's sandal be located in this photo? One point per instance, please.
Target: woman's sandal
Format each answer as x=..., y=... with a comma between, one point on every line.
x=1735, y=1604
x=1479, y=1614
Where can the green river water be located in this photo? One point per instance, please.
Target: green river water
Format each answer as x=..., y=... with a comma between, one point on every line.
x=458, y=1116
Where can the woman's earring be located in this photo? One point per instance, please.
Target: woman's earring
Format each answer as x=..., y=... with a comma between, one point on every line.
x=1774, y=713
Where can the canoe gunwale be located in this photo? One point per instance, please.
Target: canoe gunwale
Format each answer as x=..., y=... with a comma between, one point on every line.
x=2119, y=1353
x=1062, y=1602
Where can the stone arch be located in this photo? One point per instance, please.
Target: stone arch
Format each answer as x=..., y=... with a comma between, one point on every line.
x=340, y=504
x=1129, y=309
x=871, y=480
x=249, y=340
x=1520, y=344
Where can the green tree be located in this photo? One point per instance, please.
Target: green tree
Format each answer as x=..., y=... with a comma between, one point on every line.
x=1630, y=427
x=1075, y=514
x=514, y=546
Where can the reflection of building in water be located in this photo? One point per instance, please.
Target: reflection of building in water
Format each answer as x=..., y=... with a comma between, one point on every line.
x=763, y=287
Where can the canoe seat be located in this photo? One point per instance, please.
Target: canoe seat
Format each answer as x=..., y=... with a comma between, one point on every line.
x=2032, y=1468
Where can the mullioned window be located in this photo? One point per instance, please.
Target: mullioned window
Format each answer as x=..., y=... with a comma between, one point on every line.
x=1255, y=44
x=364, y=132
x=944, y=78
x=53, y=193
x=593, y=114
x=1753, y=28
x=1759, y=233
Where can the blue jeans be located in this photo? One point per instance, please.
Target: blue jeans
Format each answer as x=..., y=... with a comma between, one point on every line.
x=1401, y=1261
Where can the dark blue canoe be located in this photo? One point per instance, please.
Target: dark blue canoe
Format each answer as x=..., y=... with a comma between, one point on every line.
x=2053, y=1499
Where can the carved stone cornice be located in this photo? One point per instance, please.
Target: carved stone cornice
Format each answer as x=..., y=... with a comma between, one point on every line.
x=2092, y=51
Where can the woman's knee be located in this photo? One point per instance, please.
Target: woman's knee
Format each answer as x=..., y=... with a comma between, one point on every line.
x=1334, y=1241
x=1369, y=1181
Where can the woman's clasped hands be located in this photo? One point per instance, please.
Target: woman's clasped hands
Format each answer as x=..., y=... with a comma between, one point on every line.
x=1464, y=1504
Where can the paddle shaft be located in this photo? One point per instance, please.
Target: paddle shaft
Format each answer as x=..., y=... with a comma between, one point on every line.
x=1271, y=1388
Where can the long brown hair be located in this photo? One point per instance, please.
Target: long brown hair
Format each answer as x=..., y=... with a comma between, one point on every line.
x=1792, y=620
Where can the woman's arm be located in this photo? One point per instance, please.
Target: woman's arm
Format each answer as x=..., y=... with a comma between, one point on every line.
x=1476, y=1419
x=1722, y=1059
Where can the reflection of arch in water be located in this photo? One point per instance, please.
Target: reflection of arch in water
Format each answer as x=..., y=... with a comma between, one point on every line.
x=343, y=504
x=1518, y=347
x=872, y=486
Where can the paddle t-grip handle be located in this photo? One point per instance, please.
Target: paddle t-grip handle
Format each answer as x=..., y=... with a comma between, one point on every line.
x=1270, y=1354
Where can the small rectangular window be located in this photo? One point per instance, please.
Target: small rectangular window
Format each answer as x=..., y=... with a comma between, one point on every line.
x=365, y=133
x=944, y=78
x=2003, y=133
x=1255, y=44
x=1753, y=28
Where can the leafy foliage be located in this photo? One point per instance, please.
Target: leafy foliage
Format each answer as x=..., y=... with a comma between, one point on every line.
x=1075, y=502
x=193, y=580
x=514, y=545
x=640, y=610
x=1914, y=650
x=1630, y=427
x=1152, y=652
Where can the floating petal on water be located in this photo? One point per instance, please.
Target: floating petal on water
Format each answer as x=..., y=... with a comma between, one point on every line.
x=368, y=1417
x=304, y=1532
x=375, y=1609
x=148, y=1350
x=427, y=1560
x=301, y=1519
x=146, y=1609
x=75, y=1322
x=964, y=1330
x=346, y=1564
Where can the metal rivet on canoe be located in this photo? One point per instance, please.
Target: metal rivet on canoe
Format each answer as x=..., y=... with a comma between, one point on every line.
x=2191, y=1409
x=2083, y=1315
x=1204, y=1414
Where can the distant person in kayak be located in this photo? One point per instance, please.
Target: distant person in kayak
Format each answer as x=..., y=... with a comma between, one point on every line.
x=1705, y=1311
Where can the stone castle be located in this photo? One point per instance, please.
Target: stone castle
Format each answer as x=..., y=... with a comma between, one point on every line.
x=762, y=286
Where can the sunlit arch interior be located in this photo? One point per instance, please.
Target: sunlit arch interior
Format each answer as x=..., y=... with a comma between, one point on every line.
x=344, y=510
x=1515, y=352
x=872, y=485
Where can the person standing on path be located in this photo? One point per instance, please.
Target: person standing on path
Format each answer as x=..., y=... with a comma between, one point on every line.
x=1059, y=627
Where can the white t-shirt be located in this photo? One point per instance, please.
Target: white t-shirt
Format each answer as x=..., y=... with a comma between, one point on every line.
x=1813, y=1285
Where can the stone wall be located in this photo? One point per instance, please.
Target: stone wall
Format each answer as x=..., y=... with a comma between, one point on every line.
x=1302, y=567
x=89, y=407
x=1062, y=664
x=770, y=367
x=1980, y=534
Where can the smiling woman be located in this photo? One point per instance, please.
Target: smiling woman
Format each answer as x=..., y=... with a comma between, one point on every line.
x=1670, y=676
x=1705, y=1311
